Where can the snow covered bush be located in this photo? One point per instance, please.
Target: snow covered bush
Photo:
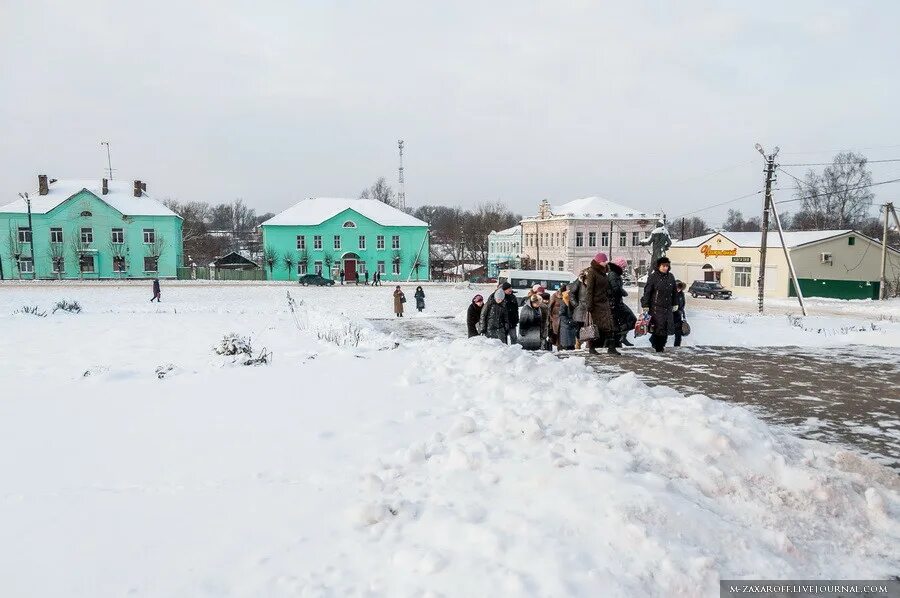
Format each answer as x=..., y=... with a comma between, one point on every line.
x=346, y=335
x=33, y=310
x=72, y=307
x=233, y=344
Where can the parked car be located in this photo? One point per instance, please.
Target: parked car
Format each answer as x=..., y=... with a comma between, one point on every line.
x=315, y=280
x=710, y=290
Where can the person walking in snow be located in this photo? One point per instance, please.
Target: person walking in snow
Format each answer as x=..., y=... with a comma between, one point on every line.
x=494, y=322
x=367, y=278
x=596, y=296
x=679, y=316
x=556, y=304
x=473, y=315
x=342, y=275
x=420, y=298
x=566, y=325
x=660, y=301
x=511, y=302
x=531, y=324
x=399, y=300
x=622, y=314
x=157, y=293
x=577, y=307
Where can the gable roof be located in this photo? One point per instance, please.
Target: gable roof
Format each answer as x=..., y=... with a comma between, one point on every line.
x=513, y=230
x=792, y=238
x=316, y=210
x=120, y=197
x=595, y=208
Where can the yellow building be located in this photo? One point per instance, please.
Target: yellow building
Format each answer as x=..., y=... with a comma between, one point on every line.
x=842, y=264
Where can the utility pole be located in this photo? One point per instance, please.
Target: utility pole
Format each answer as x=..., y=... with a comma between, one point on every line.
x=682, y=227
x=30, y=232
x=767, y=202
x=610, y=239
x=401, y=192
x=108, y=159
x=882, y=291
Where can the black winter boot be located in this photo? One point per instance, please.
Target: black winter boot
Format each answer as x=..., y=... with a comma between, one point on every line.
x=627, y=342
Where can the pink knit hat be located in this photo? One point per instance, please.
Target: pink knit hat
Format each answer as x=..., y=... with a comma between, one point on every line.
x=621, y=262
x=601, y=258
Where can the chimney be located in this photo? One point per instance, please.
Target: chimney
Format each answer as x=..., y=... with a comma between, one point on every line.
x=138, y=189
x=43, y=185
x=105, y=186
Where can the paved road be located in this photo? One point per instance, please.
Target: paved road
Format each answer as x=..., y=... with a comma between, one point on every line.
x=847, y=395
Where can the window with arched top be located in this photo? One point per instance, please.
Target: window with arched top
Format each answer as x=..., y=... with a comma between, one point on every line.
x=349, y=224
x=86, y=214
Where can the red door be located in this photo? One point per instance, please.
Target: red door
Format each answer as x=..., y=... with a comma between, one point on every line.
x=350, y=270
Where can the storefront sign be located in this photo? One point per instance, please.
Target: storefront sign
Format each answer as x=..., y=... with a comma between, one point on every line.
x=740, y=259
x=708, y=251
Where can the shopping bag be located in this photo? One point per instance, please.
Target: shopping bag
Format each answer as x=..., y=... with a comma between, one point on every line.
x=642, y=326
x=588, y=332
x=685, y=328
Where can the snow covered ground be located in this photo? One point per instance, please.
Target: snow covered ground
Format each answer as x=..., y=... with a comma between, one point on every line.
x=352, y=465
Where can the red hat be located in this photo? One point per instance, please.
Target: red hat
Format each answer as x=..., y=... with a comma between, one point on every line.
x=601, y=258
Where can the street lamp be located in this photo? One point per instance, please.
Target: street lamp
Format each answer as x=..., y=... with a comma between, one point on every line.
x=30, y=233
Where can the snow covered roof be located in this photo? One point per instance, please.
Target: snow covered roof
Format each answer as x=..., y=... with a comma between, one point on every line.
x=794, y=238
x=596, y=208
x=514, y=230
x=316, y=210
x=120, y=197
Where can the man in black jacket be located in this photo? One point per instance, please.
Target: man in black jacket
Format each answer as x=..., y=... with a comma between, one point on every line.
x=512, y=312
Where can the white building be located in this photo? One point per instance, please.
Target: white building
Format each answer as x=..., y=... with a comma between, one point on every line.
x=504, y=250
x=567, y=236
x=842, y=264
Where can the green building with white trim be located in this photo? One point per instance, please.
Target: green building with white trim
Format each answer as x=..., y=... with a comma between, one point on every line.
x=329, y=235
x=89, y=229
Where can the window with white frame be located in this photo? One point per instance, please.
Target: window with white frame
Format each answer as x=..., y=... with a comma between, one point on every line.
x=395, y=242
x=361, y=266
x=318, y=267
x=635, y=239
x=317, y=244
x=26, y=265
x=119, y=264
x=86, y=264
x=579, y=239
x=56, y=235
x=118, y=235
x=87, y=237
x=604, y=239
x=379, y=242
x=301, y=242
x=59, y=264
x=623, y=239
x=592, y=239
x=24, y=234
x=349, y=224
x=361, y=243
x=742, y=276
x=151, y=263
x=395, y=266
x=381, y=267
x=149, y=236
x=301, y=268
x=337, y=241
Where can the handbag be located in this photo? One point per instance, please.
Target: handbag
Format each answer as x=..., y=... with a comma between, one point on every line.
x=402, y=298
x=642, y=326
x=685, y=328
x=588, y=332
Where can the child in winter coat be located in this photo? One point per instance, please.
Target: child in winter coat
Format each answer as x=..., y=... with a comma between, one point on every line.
x=679, y=316
x=473, y=315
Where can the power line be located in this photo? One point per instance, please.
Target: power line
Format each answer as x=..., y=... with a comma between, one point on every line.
x=842, y=163
x=839, y=191
x=718, y=204
x=861, y=149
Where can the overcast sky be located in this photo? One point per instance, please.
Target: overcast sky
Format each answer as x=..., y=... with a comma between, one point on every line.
x=656, y=105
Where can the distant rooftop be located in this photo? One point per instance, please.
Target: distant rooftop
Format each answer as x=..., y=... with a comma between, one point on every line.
x=120, y=196
x=598, y=208
x=793, y=238
x=316, y=210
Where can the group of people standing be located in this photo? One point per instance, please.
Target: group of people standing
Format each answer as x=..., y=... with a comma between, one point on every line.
x=400, y=299
x=590, y=311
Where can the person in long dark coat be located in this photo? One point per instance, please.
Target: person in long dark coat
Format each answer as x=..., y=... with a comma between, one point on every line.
x=679, y=316
x=596, y=295
x=532, y=324
x=512, y=311
x=660, y=301
x=473, y=315
x=622, y=314
x=577, y=306
x=157, y=293
x=566, y=325
x=556, y=305
x=494, y=322
x=420, y=298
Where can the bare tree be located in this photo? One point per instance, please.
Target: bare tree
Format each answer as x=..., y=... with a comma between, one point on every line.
x=380, y=191
x=328, y=261
x=288, y=261
x=119, y=252
x=15, y=248
x=735, y=222
x=840, y=197
x=57, y=254
x=81, y=249
x=271, y=257
x=302, y=257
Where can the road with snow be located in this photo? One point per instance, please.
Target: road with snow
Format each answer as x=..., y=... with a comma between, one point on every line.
x=848, y=395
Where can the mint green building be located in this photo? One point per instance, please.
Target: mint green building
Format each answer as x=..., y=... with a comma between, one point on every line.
x=357, y=236
x=89, y=229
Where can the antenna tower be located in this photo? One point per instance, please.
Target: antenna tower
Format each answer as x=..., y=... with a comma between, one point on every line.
x=401, y=193
x=108, y=159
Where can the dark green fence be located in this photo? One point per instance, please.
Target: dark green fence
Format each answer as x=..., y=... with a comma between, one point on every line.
x=221, y=274
x=836, y=289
